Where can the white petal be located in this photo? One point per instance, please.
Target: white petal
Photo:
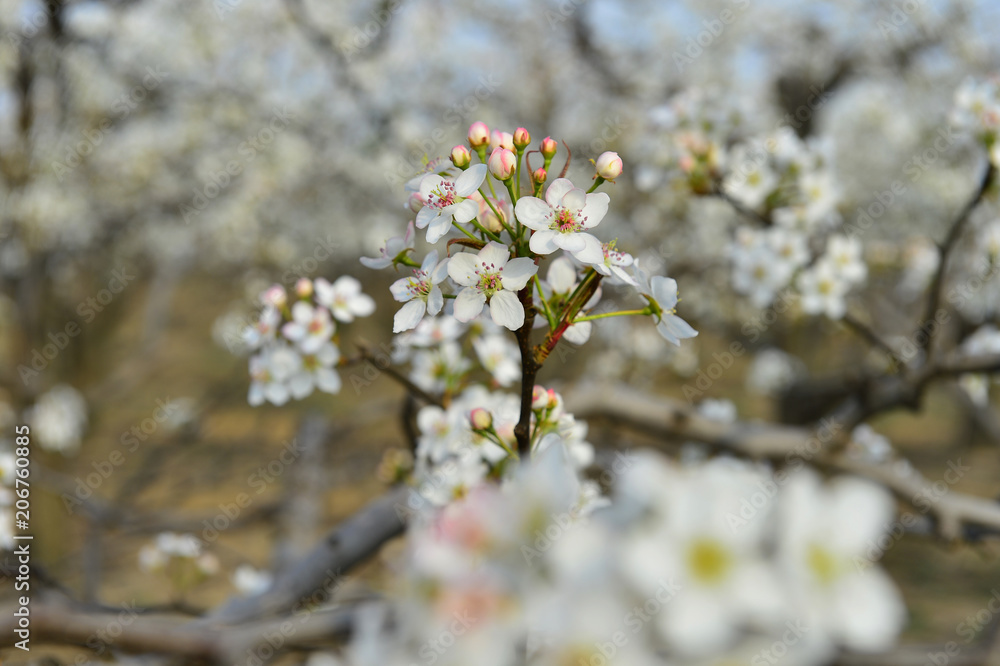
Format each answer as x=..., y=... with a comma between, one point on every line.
x=591, y=252
x=435, y=300
x=462, y=268
x=438, y=227
x=575, y=199
x=579, y=333
x=494, y=254
x=470, y=180
x=469, y=304
x=570, y=242
x=517, y=272
x=557, y=190
x=506, y=310
x=408, y=316
x=328, y=380
x=596, y=209
x=561, y=275
x=439, y=272
x=428, y=184
x=429, y=262
x=465, y=211
x=533, y=213
x=362, y=305
x=664, y=291
x=674, y=329
x=543, y=242
x=425, y=215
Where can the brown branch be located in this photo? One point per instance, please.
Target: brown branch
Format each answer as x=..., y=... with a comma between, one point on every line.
x=956, y=514
x=954, y=233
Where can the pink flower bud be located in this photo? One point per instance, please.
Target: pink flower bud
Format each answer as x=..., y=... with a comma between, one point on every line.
x=479, y=134
x=460, y=156
x=275, y=295
x=539, y=397
x=480, y=419
x=304, y=288
x=549, y=146
x=609, y=165
x=539, y=175
x=501, y=140
x=521, y=138
x=502, y=163
x=415, y=202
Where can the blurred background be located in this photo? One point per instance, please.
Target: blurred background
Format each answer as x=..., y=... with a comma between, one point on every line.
x=163, y=161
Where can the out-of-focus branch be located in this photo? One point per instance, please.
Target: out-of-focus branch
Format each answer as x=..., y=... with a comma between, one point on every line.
x=956, y=514
x=342, y=549
x=954, y=233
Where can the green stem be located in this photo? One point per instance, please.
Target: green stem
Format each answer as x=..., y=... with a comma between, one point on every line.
x=517, y=174
x=597, y=183
x=549, y=316
x=496, y=212
x=465, y=231
x=620, y=313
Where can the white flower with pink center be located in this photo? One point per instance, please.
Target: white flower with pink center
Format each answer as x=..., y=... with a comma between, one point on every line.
x=310, y=327
x=615, y=263
x=344, y=298
x=446, y=199
x=420, y=292
x=561, y=220
x=491, y=276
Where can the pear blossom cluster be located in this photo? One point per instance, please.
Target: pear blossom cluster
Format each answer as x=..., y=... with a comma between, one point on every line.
x=294, y=338
x=702, y=563
x=501, y=217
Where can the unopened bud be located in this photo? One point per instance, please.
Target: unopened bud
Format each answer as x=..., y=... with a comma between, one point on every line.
x=539, y=175
x=460, y=156
x=275, y=295
x=501, y=140
x=480, y=419
x=502, y=163
x=521, y=138
x=479, y=134
x=304, y=288
x=549, y=146
x=609, y=165
x=415, y=202
x=539, y=397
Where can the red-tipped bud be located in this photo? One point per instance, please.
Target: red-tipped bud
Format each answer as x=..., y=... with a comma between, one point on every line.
x=539, y=175
x=502, y=164
x=549, y=147
x=304, y=288
x=608, y=165
x=539, y=397
x=521, y=138
x=461, y=157
x=479, y=134
x=501, y=140
x=480, y=419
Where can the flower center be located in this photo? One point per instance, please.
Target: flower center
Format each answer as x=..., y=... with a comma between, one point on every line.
x=708, y=561
x=418, y=285
x=566, y=221
x=443, y=196
x=490, y=281
x=822, y=563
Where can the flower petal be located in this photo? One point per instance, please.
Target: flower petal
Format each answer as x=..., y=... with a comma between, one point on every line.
x=664, y=291
x=517, y=272
x=470, y=180
x=543, y=242
x=469, y=304
x=574, y=200
x=674, y=329
x=570, y=242
x=557, y=190
x=438, y=227
x=435, y=300
x=591, y=253
x=494, y=254
x=425, y=215
x=428, y=184
x=506, y=310
x=462, y=268
x=465, y=211
x=595, y=209
x=408, y=316
x=533, y=213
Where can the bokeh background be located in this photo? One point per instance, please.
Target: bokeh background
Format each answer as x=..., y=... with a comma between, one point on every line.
x=126, y=243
